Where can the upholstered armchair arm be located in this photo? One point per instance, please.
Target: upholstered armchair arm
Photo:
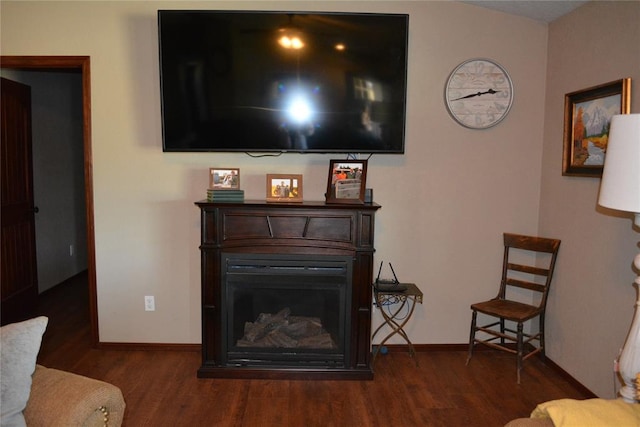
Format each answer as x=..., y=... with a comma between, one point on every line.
x=65, y=399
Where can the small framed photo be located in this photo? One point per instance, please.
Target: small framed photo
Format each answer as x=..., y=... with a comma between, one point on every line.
x=347, y=179
x=224, y=179
x=587, y=117
x=284, y=188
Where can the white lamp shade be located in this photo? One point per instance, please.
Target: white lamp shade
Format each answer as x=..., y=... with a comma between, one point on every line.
x=620, y=187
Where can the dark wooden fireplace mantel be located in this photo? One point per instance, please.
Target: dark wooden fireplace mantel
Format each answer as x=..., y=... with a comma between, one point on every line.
x=257, y=227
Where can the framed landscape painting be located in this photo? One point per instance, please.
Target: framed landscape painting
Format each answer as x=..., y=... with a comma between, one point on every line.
x=587, y=117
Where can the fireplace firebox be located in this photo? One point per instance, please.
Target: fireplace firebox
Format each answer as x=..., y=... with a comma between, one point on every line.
x=285, y=310
x=286, y=290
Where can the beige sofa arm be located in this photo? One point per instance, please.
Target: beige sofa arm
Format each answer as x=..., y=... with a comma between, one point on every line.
x=64, y=399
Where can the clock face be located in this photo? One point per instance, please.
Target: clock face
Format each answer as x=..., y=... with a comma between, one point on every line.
x=478, y=93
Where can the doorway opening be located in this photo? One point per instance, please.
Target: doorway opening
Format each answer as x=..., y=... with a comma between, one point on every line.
x=80, y=64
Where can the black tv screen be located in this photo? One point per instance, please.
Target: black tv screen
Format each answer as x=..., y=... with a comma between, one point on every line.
x=283, y=81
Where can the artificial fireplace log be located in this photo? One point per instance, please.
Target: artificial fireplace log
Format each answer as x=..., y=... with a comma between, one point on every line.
x=264, y=324
x=281, y=330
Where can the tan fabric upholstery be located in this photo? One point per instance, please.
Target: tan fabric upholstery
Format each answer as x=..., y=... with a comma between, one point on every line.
x=64, y=399
x=594, y=412
x=530, y=422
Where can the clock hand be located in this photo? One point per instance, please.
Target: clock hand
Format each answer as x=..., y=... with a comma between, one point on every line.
x=490, y=91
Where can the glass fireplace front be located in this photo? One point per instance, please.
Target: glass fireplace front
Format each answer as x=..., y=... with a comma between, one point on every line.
x=286, y=310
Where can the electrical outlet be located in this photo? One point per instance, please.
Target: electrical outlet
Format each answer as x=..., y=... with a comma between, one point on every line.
x=149, y=303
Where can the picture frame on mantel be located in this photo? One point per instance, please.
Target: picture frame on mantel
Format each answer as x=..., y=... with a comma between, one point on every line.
x=284, y=188
x=587, y=117
x=347, y=181
x=224, y=178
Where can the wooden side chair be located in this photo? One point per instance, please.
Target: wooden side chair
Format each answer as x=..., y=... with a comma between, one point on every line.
x=535, y=275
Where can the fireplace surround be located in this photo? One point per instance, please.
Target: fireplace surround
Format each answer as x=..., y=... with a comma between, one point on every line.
x=286, y=290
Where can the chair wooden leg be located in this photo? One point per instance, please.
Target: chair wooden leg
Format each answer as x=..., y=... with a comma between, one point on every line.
x=502, y=330
x=472, y=335
x=520, y=350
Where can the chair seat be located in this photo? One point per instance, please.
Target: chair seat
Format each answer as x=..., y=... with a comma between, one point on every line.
x=510, y=310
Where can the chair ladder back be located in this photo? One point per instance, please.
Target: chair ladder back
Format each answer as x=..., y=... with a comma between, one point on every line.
x=552, y=266
x=502, y=293
x=537, y=244
x=532, y=244
x=526, y=284
x=529, y=269
x=536, y=287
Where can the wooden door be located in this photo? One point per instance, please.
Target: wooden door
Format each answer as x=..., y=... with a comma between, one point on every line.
x=19, y=269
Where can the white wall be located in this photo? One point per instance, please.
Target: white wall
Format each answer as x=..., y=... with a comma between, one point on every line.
x=592, y=301
x=444, y=203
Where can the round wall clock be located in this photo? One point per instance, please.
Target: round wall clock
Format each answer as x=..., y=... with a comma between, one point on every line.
x=478, y=93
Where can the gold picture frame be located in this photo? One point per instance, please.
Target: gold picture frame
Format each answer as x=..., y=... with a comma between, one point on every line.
x=284, y=188
x=587, y=117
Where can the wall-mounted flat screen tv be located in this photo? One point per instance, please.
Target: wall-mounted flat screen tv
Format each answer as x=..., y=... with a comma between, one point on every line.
x=283, y=81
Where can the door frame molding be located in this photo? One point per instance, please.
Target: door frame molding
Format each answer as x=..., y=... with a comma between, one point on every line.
x=79, y=64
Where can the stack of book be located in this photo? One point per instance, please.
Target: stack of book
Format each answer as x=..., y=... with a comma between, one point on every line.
x=225, y=196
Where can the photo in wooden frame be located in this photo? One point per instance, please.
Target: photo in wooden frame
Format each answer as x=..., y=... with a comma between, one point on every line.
x=347, y=180
x=587, y=118
x=224, y=178
x=284, y=188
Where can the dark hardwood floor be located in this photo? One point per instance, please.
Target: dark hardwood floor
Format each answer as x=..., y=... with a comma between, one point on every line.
x=161, y=388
